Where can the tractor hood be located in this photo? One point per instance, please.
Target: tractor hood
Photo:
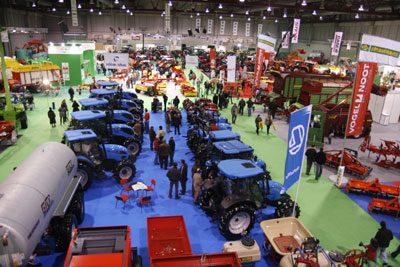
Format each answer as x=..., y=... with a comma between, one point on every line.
x=239, y=168
x=112, y=149
x=119, y=127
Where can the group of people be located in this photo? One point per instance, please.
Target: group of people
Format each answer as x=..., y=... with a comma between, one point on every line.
x=63, y=113
x=316, y=158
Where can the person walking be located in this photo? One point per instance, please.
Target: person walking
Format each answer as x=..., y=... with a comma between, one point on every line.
x=152, y=137
x=171, y=144
x=215, y=99
x=384, y=236
x=146, y=120
x=258, y=123
x=310, y=154
x=168, y=121
x=249, y=107
x=320, y=159
x=176, y=122
x=163, y=154
x=63, y=115
x=395, y=253
x=198, y=83
x=331, y=133
x=197, y=185
x=71, y=93
x=268, y=122
x=157, y=151
x=173, y=175
x=183, y=176
x=234, y=112
x=52, y=117
x=206, y=87
x=75, y=106
x=273, y=107
x=165, y=99
x=176, y=101
x=242, y=104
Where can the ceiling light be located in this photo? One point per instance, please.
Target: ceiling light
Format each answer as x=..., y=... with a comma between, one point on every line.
x=314, y=12
x=33, y=4
x=191, y=16
x=116, y=2
x=276, y=20
x=54, y=9
x=79, y=6
x=100, y=13
x=207, y=10
x=269, y=9
x=61, y=1
x=264, y=17
x=304, y=3
x=248, y=18
x=220, y=6
x=220, y=17
x=241, y=1
x=321, y=17
x=231, y=15
x=361, y=8
x=14, y=30
x=67, y=12
x=197, y=14
x=123, y=7
x=162, y=14
x=128, y=11
x=357, y=16
x=131, y=13
x=285, y=15
x=247, y=12
x=91, y=10
x=170, y=3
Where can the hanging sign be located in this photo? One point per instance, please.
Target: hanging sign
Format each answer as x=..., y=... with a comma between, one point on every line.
x=192, y=60
x=167, y=19
x=198, y=23
x=116, y=60
x=235, y=28
x=337, y=42
x=231, y=68
x=222, y=27
x=267, y=43
x=213, y=62
x=4, y=37
x=296, y=30
x=285, y=39
x=259, y=30
x=209, y=26
x=247, y=32
x=65, y=71
x=74, y=13
x=379, y=50
x=348, y=45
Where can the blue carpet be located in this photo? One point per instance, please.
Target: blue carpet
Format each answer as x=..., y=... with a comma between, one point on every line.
x=100, y=203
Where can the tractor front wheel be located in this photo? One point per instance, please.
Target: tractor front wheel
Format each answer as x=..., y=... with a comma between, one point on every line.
x=151, y=91
x=86, y=176
x=133, y=148
x=237, y=221
x=285, y=209
x=124, y=171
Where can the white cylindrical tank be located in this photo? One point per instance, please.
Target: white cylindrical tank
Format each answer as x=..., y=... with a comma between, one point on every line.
x=28, y=198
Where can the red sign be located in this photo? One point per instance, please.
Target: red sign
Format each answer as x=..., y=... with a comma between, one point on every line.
x=362, y=90
x=259, y=67
x=213, y=63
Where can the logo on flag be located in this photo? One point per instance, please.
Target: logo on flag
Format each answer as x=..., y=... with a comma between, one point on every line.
x=296, y=141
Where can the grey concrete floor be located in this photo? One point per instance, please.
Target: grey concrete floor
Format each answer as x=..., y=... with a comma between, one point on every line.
x=379, y=132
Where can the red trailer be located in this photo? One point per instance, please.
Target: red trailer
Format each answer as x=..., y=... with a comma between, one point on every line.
x=226, y=259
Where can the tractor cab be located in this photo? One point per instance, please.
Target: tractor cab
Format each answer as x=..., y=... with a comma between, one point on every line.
x=117, y=102
x=107, y=85
x=93, y=103
x=222, y=135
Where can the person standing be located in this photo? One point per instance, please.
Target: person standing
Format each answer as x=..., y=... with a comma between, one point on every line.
x=331, y=133
x=234, y=112
x=183, y=176
x=71, y=93
x=157, y=150
x=137, y=129
x=242, y=103
x=173, y=175
x=163, y=154
x=171, y=144
x=249, y=106
x=165, y=99
x=146, y=121
x=320, y=159
x=152, y=137
x=197, y=185
x=310, y=154
x=160, y=134
x=268, y=122
x=198, y=83
x=168, y=121
x=258, y=121
x=384, y=236
x=176, y=122
x=176, y=101
x=52, y=117
x=75, y=106
x=63, y=115
x=215, y=99
x=206, y=87
x=273, y=107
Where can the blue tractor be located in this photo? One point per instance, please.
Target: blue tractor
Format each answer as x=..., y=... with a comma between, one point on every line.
x=108, y=85
x=114, y=133
x=117, y=101
x=116, y=115
x=240, y=189
x=95, y=157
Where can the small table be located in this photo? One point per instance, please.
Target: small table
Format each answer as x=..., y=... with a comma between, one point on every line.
x=138, y=186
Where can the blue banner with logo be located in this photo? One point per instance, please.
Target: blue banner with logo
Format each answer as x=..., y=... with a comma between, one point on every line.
x=297, y=139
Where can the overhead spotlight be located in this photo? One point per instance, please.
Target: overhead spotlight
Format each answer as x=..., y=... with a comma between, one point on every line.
x=247, y=12
x=241, y=1
x=33, y=4
x=264, y=17
x=14, y=30
x=116, y=2
x=220, y=17
x=79, y=6
x=207, y=10
x=314, y=12
x=68, y=12
x=131, y=13
x=220, y=6
x=128, y=11
x=162, y=14
x=170, y=3
x=191, y=16
x=276, y=20
x=269, y=9
x=321, y=17
x=248, y=18
x=54, y=9
x=100, y=13
x=285, y=13
x=197, y=14
x=357, y=16
x=304, y=3
x=361, y=8
x=91, y=10
x=61, y=1
x=231, y=15
x=123, y=7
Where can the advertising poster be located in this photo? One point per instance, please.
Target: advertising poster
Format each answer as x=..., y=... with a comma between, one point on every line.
x=116, y=60
x=285, y=39
x=337, y=42
x=296, y=30
x=213, y=63
x=192, y=61
x=231, y=68
x=65, y=71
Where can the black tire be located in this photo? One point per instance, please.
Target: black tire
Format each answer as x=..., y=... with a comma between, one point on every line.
x=237, y=221
x=150, y=91
x=133, y=147
x=64, y=229
x=86, y=174
x=137, y=91
x=208, y=199
x=124, y=171
x=285, y=209
x=77, y=206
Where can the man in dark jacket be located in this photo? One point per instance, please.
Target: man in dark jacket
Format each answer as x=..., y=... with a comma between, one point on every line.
x=71, y=93
x=176, y=122
x=242, y=103
x=183, y=176
x=176, y=101
x=320, y=159
x=249, y=106
x=171, y=144
x=152, y=136
x=173, y=175
x=163, y=154
x=384, y=236
x=215, y=99
x=310, y=154
x=165, y=98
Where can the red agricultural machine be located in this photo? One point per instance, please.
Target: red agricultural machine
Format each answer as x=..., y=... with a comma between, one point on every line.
x=386, y=149
x=8, y=133
x=374, y=187
x=350, y=161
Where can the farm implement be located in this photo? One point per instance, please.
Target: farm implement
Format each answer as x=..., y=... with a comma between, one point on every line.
x=386, y=149
x=387, y=206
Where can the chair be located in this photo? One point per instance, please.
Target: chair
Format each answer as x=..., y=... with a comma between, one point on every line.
x=122, y=198
x=151, y=188
x=145, y=200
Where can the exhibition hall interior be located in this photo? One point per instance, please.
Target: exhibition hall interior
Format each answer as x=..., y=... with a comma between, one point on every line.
x=199, y=133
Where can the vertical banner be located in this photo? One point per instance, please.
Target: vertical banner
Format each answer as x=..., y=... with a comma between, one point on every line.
x=296, y=30
x=247, y=32
x=74, y=13
x=167, y=19
x=213, y=63
x=337, y=42
x=362, y=89
x=259, y=29
x=4, y=37
x=259, y=67
x=222, y=27
x=209, y=26
x=285, y=39
x=298, y=132
x=65, y=71
x=198, y=23
x=235, y=28
x=348, y=45
x=231, y=68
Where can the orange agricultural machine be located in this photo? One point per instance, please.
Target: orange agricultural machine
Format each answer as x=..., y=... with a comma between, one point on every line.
x=373, y=187
x=386, y=149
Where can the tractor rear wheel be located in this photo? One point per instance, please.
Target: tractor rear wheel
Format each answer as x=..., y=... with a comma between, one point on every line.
x=237, y=221
x=285, y=209
x=85, y=174
x=77, y=206
x=133, y=148
x=64, y=229
x=124, y=171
